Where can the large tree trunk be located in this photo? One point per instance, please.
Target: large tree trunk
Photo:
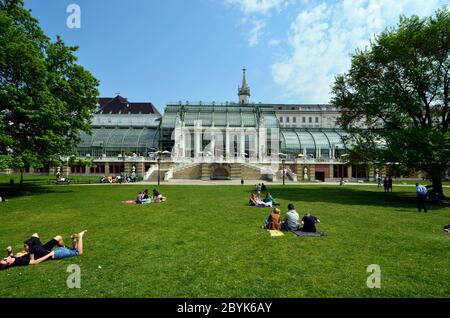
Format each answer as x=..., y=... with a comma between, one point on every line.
x=437, y=185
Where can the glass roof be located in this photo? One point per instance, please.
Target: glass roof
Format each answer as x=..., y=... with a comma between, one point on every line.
x=291, y=140
x=320, y=138
x=306, y=139
x=334, y=138
x=248, y=119
x=169, y=120
x=118, y=138
x=220, y=118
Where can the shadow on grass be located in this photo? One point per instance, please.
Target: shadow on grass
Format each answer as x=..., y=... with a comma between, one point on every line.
x=26, y=190
x=404, y=201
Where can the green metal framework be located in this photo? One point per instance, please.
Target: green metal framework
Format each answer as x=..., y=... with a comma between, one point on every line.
x=297, y=140
x=115, y=141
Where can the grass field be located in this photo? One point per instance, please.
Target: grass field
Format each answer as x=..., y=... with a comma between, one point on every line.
x=45, y=179
x=204, y=242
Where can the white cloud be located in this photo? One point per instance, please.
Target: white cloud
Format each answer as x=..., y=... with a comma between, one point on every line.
x=323, y=37
x=258, y=6
x=274, y=42
x=256, y=13
x=255, y=33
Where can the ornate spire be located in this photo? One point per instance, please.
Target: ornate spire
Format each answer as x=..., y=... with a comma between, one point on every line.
x=244, y=81
x=244, y=90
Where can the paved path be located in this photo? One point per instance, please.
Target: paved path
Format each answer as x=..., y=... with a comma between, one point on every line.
x=235, y=183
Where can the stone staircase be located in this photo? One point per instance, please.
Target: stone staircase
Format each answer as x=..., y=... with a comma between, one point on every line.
x=205, y=173
x=236, y=171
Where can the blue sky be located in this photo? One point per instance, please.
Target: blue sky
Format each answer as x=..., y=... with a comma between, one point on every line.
x=171, y=50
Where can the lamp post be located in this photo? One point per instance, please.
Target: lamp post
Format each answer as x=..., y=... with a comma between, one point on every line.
x=159, y=165
x=283, y=162
x=342, y=169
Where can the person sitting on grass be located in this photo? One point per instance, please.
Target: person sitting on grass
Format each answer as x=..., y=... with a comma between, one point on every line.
x=274, y=220
x=158, y=197
x=447, y=228
x=309, y=223
x=145, y=199
x=252, y=200
x=291, y=219
x=260, y=203
x=139, y=198
x=270, y=199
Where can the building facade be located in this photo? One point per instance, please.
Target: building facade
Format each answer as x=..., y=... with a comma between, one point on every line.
x=123, y=134
x=210, y=140
x=305, y=139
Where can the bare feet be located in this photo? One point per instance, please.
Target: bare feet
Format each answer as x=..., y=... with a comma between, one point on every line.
x=9, y=250
x=82, y=233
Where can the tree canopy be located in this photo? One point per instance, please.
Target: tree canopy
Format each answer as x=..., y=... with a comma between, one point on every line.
x=394, y=99
x=46, y=98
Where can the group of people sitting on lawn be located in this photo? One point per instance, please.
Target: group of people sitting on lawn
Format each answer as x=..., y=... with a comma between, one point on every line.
x=258, y=201
x=144, y=198
x=35, y=252
x=291, y=221
x=260, y=187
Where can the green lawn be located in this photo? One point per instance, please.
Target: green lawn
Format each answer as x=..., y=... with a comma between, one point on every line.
x=45, y=179
x=204, y=242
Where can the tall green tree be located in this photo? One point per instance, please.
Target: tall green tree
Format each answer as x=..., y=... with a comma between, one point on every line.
x=395, y=97
x=46, y=98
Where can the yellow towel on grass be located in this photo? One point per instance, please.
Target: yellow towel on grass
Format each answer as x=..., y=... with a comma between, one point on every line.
x=275, y=233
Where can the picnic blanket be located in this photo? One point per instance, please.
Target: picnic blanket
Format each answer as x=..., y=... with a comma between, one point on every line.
x=312, y=234
x=275, y=233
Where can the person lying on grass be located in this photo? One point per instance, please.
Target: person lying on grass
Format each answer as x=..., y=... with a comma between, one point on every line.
x=33, y=247
x=75, y=250
x=22, y=260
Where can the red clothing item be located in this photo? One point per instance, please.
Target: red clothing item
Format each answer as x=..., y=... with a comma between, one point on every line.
x=274, y=222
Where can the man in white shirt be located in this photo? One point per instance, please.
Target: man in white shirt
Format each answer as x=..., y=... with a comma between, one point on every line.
x=291, y=220
x=421, y=197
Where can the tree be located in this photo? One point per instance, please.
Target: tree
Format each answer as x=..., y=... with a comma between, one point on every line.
x=394, y=99
x=46, y=99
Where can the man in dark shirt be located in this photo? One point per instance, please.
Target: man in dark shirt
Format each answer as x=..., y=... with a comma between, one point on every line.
x=36, y=248
x=24, y=260
x=390, y=184
x=309, y=223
